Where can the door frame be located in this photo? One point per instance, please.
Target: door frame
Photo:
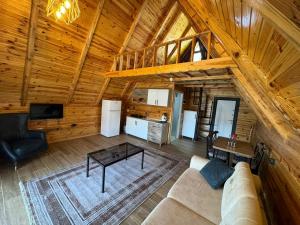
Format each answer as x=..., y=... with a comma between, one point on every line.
x=236, y=112
x=179, y=125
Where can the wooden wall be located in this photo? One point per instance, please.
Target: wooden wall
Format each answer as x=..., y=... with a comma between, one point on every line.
x=246, y=117
x=281, y=186
x=78, y=121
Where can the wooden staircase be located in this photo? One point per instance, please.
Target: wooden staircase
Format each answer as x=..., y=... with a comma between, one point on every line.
x=205, y=107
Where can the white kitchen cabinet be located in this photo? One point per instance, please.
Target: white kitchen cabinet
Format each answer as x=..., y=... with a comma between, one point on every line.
x=137, y=127
x=159, y=97
x=189, y=123
x=152, y=96
x=163, y=97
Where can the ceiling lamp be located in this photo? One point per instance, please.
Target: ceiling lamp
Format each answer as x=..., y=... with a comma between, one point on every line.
x=65, y=10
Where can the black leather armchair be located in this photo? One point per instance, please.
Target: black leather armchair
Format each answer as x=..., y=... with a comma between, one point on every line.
x=16, y=142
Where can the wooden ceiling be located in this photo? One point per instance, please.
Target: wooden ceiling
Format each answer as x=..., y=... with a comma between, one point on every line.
x=65, y=63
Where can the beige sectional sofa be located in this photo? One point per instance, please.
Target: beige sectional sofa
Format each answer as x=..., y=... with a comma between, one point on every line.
x=191, y=201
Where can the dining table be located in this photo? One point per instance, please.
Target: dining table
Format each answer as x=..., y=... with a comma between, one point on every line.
x=241, y=148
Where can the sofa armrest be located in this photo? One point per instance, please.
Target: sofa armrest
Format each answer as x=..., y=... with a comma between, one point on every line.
x=6, y=149
x=257, y=184
x=198, y=162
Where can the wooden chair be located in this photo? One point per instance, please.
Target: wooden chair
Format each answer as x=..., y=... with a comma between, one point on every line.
x=256, y=161
x=210, y=151
x=259, y=152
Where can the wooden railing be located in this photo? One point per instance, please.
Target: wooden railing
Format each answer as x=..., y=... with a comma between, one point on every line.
x=162, y=54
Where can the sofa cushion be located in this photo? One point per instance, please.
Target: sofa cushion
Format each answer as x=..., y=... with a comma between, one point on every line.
x=192, y=190
x=240, y=201
x=171, y=212
x=216, y=172
x=26, y=147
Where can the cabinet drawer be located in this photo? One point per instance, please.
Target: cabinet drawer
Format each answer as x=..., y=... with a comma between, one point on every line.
x=155, y=125
x=154, y=139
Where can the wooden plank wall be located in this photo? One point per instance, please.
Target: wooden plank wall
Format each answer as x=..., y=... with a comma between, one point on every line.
x=78, y=121
x=281, y=187
x=246, y=117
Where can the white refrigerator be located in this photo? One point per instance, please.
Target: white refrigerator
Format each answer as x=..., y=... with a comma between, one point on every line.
x=189, y=123
x=110, y=118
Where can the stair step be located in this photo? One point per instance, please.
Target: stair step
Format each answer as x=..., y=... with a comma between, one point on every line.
x=203, y=133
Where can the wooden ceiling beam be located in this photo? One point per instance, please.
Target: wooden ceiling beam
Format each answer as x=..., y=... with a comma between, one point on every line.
x=217, y=63
x=171, y=8
x=123, y=47
x=209, y=86
x=133, y=26
x=30, y=50
x=281, y=22
x=85, y=50
x=202, y=78
x=102, y=91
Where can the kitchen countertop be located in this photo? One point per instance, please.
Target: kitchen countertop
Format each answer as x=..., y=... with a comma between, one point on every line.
x=148, y=119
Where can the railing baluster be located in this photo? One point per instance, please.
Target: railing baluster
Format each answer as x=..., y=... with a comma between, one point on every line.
x=166, y=54
x=128, y=61
x=136, y=57
x=209, y=45
x=114, y=67
x=144, y=60
x=178, y=51
x=154, y=56
x=144, y=57
x=121, y=63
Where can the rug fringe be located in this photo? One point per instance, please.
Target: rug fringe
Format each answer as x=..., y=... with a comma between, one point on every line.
x=27, y=204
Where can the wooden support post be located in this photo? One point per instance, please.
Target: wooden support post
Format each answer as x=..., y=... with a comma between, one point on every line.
x=178, y=51
x=30, y=50
x=209, y=37
x=166, y=54
x=193, y=48
x=136, y=58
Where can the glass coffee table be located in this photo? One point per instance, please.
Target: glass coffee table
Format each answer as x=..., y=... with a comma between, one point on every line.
x=108, y=156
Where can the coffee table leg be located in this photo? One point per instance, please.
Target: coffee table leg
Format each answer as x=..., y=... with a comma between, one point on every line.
x=87, y=166
x=103, y=178
x=143, y=160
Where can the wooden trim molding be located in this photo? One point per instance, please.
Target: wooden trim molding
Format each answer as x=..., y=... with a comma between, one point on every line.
x=202, y=78
x=217, y=63
x=30, y=50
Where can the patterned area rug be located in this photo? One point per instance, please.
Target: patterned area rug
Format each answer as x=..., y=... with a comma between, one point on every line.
x=69, y=197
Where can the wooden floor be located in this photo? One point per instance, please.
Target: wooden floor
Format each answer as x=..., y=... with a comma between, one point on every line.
x=68, y=153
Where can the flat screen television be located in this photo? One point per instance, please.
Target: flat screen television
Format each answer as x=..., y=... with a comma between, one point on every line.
x=46, y=111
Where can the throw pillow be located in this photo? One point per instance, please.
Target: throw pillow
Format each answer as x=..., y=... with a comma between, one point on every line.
x=216, y=172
